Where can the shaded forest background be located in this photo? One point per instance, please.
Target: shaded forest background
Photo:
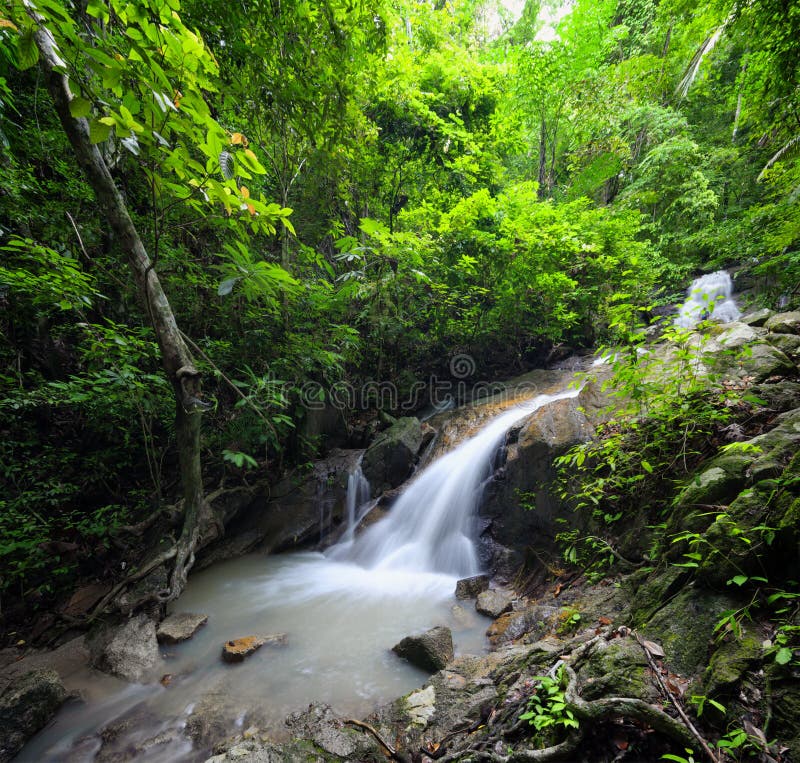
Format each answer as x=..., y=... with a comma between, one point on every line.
x=344, y=191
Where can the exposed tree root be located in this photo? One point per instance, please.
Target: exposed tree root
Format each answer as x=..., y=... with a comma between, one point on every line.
x=588, y=713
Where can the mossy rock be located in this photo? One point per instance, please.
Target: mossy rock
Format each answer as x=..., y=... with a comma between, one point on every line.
x=617, y=668
x=729, y=663
x=649, y=592
x=786, y=710
x=685, y=625
x=789, y=344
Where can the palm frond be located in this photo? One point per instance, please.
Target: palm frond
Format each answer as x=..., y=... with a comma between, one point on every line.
x=788, y=148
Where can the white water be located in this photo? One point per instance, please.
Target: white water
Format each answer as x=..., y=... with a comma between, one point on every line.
x=431, y=527
x=342, y=612
x=709, y=297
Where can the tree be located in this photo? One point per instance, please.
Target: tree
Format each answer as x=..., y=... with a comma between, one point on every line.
x=145, y=73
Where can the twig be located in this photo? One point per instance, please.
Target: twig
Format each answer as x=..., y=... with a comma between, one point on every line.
x=675, y=702
x=371, y=729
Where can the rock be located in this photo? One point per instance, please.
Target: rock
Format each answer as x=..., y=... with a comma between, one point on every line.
x=493, y=603
x=26, y=706
x=737, y=335
x=421, y=705
x=729, y=663
x=788, y=344
x=469, y=588
x=293, y=513
x=429, y=651
x=179, y=626
x=757, y=318
x=617, y=668
x=237, y=649
x=685, y=626
x=389, y=460
x=331, y=739
x=85, y=598
x=129, y=650
x=762, y=361
x=549, y=432
x=784, y=323
x=213, y=717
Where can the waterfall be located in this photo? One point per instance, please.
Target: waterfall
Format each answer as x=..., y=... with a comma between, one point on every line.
x=709, y=297
x=432, y=526
x=358, y=495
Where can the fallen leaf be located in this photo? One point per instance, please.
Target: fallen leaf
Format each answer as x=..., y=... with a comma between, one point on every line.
x=654, y=649
x=621, y=742
x=557, y=590
x=604, y=620
x=166, y=679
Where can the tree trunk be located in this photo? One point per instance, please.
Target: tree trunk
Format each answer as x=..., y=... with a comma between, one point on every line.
x=175, y=356
x=542, y=178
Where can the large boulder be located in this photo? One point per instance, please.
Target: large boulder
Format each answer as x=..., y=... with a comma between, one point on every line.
x=429, y=651
x=298, y=511
x=26, y=706
x=128, y=650
x=784, y=323
x=531, y=448
x=390, y=459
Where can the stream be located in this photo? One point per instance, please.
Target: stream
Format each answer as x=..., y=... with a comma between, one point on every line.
x=341, y=611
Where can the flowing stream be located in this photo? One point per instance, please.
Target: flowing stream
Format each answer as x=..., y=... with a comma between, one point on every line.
x=342, y=612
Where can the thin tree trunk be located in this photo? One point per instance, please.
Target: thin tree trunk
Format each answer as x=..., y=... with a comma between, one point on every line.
x=175, y=356
x=542, y=178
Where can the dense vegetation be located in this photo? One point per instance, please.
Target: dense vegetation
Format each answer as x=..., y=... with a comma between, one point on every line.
x=342, y=191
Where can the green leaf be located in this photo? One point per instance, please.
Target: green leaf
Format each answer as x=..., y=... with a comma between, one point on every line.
x=783, y=656
x=27, y=52
x=98, y=131
x=80, y=107
x=739, y=580
x=646, y=466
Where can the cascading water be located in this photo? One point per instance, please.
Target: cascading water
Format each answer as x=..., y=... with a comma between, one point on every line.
x=431, y=527
x=709, y=296
x=342, y=611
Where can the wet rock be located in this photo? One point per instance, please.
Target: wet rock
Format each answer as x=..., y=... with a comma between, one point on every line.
x=421, y=705
x=494, y=603
x=429, y=651
x=26, y=706
x=390, y=459
x=179, y=626
x=469, y=588
x=237, y=649
x=213, y=717
x=757, y=318
x=549, y=432
x=128, y=650
x=323, y=729
x=293, y=513
x=784, y=323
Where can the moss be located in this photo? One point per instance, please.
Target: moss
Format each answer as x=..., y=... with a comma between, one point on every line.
x=617, y=668
x=648, y=593
x=729, y=664
x=685, y=626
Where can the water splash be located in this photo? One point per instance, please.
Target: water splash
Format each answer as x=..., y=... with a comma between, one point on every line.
x=709, y=297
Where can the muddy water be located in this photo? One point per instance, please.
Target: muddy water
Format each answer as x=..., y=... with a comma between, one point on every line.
x=341, y=621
